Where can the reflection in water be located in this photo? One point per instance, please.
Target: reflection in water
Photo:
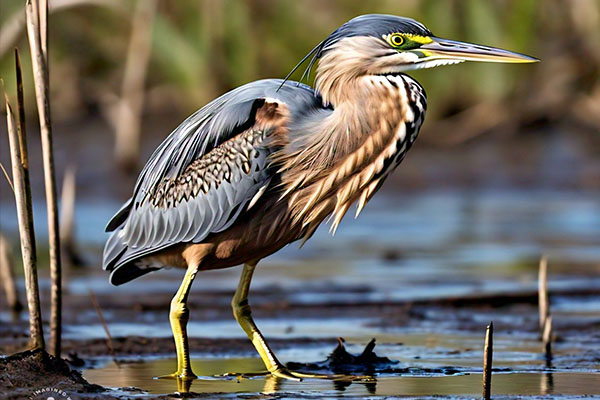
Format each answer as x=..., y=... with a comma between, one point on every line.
x=547, y=383
x=184, y=385
x=547, y=379
x=410, y=384
x=371, y=387
x=341, y=385
x=272, y=384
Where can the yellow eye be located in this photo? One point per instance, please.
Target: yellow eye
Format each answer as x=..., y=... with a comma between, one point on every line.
x=396, y=40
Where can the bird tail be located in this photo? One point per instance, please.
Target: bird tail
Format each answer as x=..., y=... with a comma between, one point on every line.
x=116, y=259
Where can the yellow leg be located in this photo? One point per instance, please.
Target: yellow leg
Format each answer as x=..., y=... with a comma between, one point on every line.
x=179, y=316
x=243, y=314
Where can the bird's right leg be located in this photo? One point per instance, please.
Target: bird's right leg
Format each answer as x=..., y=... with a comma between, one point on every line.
x=243, y=314
x=179, y=316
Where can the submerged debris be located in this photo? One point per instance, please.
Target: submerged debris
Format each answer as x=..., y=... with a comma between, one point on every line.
x=342, y=362
x=368, y=363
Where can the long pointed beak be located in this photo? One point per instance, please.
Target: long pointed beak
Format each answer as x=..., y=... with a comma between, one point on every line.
x=451, y=49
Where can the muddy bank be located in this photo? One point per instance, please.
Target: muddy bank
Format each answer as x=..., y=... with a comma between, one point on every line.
x=131, y=348
x=33, y=373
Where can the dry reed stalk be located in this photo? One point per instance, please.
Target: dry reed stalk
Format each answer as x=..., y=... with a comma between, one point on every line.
x=7, y=177
x=488, y=351
x=129, y=110
x=7, y=274
x=21, y=128
x=26, y=230
x=109, y=342
x=37, y=31
x=544, y=307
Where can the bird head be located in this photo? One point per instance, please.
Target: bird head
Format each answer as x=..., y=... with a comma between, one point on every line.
x=377, y=44
x=396, y=44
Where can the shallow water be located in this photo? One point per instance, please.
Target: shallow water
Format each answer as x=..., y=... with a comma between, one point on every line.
x=447, y=363
x=462, y=383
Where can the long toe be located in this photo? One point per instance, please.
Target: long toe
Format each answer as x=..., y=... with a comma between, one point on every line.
x=299, y=376
x=334, y=377
x=284, y=373
x=186, y=375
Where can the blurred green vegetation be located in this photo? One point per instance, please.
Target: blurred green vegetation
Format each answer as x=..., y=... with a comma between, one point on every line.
x=203, y=48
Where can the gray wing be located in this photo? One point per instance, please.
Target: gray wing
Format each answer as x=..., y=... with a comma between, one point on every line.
x=203, y=176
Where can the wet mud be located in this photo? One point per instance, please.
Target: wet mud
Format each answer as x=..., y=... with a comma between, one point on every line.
x=21, y=374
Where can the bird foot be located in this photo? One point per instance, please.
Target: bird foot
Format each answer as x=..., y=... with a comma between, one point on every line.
x=185, y=375
x=284, y=373
x=184, y=380
x=298, y=375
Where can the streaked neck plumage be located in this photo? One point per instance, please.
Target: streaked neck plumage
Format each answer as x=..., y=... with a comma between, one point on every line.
x=362, y=103
x=343, y=152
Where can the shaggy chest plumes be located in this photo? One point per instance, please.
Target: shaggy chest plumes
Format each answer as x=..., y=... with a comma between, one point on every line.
x=358, y=144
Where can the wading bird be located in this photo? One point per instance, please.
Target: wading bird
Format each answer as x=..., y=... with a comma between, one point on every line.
x=264, y=164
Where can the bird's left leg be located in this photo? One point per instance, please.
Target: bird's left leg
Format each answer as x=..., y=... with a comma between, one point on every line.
x=179, y=316
x=243, y=314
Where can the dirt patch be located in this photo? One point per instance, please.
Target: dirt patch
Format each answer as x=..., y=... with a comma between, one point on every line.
x=137, y=346
x=22, y=374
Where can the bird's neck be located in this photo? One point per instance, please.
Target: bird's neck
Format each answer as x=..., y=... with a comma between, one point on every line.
x=366, y=109
x=343, y=67
x=343, y=154
x=364, y=117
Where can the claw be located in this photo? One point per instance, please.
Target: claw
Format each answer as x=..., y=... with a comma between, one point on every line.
x=186, y=375
x=299, y=376
x=184, y=380
x=284, y=373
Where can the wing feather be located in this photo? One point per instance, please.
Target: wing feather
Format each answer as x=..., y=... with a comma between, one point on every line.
x=203, y=176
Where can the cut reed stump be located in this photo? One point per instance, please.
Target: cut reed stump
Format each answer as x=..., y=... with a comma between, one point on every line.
x=547, y=338
x=488, y=351
x=543, y=303
x=36, y=12
x=7, y=274
x=20, y=169
x=544, y=309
